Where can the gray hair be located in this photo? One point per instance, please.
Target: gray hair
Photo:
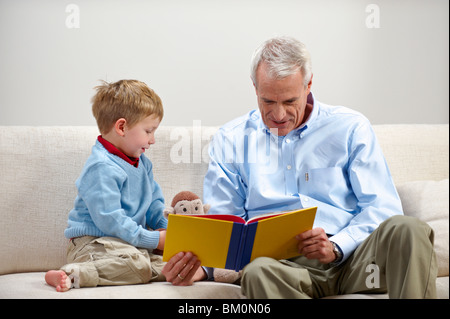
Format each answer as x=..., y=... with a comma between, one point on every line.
x=284, y=56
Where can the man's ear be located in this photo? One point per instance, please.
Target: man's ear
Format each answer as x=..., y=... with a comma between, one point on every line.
x=254, y=85
x=120, y=126
x=308, y=87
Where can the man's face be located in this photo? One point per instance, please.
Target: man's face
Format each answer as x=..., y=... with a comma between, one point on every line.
x=282, y=102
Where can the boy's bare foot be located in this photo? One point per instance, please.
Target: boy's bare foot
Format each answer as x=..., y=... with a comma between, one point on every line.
x=58, y=279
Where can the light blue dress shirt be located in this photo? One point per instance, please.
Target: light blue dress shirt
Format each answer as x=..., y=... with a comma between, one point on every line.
x=332, y=161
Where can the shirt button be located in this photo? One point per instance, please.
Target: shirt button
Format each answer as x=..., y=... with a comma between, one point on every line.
x=289, y=167
x=288, y=141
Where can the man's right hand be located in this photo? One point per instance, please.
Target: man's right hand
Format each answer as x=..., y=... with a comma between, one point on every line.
x=183, y=269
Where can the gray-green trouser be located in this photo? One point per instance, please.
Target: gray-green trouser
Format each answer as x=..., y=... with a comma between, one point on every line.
x=397, y=258
x=105, y=261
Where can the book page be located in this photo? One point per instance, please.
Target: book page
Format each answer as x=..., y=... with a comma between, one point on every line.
x=269, y=215
x=225, y=217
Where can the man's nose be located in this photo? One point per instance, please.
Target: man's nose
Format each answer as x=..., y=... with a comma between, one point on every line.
x=279, y=112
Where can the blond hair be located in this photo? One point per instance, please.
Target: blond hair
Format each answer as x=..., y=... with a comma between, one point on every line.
x=129, y=99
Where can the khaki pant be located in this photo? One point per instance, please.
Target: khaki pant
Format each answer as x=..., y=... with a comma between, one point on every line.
x=397, y=258
x=105, y=261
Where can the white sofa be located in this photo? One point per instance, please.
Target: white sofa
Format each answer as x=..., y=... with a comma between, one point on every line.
x=39, y=166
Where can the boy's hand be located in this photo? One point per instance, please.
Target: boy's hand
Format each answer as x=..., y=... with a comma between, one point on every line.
x=162, y=239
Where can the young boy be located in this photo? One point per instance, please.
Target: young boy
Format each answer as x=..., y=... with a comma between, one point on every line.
x=117, y=196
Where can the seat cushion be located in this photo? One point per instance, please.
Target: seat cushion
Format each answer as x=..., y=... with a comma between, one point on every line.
x=33, y=285
x=429, y=202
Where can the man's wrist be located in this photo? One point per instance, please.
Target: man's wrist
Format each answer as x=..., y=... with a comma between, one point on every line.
x=337, y=253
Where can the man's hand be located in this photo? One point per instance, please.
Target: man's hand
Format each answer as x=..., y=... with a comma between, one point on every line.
x=314, y=244
x=183, y=269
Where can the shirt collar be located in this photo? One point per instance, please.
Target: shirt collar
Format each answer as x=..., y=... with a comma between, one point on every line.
x=115, y=151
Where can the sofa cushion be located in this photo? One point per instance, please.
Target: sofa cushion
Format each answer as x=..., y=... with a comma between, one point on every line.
x=39, y=167
x=429, y=201
x=415, y=152
x=32, y=285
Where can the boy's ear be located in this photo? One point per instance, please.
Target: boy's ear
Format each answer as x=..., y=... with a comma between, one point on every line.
x=119, y=126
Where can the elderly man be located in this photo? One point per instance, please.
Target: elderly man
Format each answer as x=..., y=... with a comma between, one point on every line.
x=295, y=152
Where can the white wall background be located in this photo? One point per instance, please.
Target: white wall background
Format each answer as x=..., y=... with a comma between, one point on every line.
x=195, y=54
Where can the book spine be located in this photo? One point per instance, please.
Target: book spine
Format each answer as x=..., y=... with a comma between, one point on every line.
x=247, y=245
x=233, y=247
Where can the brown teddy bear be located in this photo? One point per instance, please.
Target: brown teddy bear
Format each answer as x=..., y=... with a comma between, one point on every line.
x=188, y=203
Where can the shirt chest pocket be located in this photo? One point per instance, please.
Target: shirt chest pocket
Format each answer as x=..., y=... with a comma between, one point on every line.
x=324, y=182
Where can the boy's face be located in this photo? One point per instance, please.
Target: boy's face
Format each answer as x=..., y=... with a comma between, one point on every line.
x=139, y=137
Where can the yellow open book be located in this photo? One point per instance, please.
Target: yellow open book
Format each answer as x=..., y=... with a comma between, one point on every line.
x=227, y=241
